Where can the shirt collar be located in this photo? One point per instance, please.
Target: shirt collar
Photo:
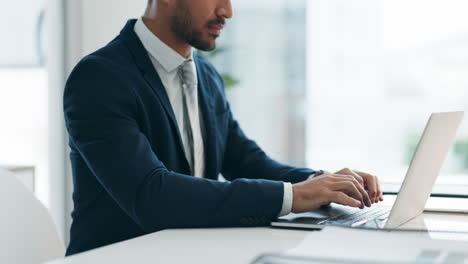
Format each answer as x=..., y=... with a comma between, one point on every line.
x=162, y=53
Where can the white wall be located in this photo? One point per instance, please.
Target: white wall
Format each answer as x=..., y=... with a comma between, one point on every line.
x=103, y=20
x=89, y=25
x=92, y=24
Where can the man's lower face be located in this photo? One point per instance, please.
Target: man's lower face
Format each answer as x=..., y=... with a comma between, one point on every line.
x=182, y=24
x=203, y=41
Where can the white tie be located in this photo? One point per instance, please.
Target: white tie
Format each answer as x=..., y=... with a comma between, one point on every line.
x=195, y=152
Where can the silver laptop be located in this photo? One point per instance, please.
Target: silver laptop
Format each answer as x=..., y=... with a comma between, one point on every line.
x=425, y=166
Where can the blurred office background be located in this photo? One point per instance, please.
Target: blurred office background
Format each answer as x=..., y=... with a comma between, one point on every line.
x=324, y=84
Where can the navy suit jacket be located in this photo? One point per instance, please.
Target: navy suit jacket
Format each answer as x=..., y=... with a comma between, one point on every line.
x=130, y=173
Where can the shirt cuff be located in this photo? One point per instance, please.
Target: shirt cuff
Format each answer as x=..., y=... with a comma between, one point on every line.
x=287, y=199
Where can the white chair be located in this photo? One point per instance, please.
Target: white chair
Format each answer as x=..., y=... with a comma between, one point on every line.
x=27, y=231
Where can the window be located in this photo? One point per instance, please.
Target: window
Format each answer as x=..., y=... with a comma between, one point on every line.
x=377, y=70
x=338, y=83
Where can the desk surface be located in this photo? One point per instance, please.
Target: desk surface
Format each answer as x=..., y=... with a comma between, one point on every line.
x=230, y=245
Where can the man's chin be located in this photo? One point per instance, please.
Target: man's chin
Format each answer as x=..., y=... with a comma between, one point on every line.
x=204, y=45
x=211, y=48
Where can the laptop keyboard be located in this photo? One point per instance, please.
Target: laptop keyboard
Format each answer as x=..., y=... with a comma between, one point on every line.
x=360, y=216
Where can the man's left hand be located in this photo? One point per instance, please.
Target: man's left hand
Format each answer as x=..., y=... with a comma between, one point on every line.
x=368, y=181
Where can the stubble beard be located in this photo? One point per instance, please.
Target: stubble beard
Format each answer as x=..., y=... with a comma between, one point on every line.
x=181, y=25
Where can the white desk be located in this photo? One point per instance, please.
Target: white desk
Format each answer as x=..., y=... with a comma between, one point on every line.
x=227, y=245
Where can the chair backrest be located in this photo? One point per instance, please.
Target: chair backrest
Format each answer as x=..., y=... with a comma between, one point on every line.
x=27, y=231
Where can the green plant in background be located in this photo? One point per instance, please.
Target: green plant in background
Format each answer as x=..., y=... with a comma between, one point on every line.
x=461, y=150
x=229, y=80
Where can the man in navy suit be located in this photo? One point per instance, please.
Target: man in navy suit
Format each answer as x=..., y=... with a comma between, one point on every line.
x=150, y=130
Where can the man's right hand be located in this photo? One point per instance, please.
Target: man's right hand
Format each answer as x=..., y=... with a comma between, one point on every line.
x=327, y=188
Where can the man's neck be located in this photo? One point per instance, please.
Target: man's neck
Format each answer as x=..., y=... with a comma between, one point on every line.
x=163, y=32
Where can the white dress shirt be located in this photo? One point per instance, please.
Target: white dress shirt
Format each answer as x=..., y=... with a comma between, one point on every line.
x=166, y=62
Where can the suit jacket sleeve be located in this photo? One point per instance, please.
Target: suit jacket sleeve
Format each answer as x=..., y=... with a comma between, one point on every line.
x=101, y=117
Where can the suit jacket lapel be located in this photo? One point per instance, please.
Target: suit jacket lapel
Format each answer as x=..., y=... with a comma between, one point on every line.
x=206, y=106
x=145, y=65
